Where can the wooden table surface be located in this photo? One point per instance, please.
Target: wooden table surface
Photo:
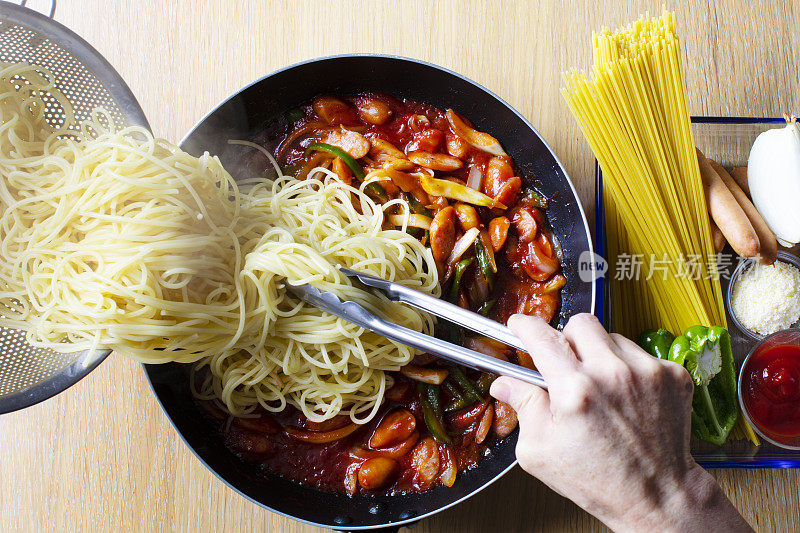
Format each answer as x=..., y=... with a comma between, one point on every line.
x=102, y=456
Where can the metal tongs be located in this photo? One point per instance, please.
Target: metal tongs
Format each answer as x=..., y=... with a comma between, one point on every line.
x=355, y=313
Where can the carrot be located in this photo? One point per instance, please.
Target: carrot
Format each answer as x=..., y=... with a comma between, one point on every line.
x=768, y=243
x=739, y=175
x=726, y=211
x=716, y=236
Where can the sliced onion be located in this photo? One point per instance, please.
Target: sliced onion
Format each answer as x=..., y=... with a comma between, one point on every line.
x=321, y=437
x=558, y=251
x=394, y=452
x=478, y=139
x=539, y=266
x=412, y=221
x=405, y=181
x=555, y=283
x=488, y=346
x=478, y=290
x=449, y=469
x=456, y=191
x=388, y=155
x=475, y=178
x=297, y=133
x=432, y=376
x=463, y=244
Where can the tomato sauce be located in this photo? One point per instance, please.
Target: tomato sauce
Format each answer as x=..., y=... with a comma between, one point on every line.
x=771, y=390
x=261, y=441
x=403, y=140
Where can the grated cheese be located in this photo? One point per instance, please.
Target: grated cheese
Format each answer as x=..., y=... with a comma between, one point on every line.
x=766, y=298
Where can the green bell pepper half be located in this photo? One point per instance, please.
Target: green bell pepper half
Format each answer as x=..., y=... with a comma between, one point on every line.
x=706, y=353
x=656, y=342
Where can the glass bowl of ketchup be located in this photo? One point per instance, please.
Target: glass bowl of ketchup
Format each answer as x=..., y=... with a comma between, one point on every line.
x=769, y=388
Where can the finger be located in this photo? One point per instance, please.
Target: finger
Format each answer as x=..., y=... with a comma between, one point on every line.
x=628, y=345
x=531, y=403
x=549, y=349
x=631, y=353
x=589, y=340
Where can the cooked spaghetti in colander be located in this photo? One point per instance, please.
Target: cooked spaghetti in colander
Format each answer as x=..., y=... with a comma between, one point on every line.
x=119, y=240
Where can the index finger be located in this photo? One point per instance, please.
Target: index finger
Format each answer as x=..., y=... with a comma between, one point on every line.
x=549, y=349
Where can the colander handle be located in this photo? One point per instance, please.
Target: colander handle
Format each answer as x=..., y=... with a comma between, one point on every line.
x=52, y=7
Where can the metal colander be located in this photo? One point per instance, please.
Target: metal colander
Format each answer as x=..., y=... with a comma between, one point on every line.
x=29, y=375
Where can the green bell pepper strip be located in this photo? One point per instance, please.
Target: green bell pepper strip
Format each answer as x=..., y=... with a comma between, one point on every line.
x=486, y=307
x=352, y=164
x=466, y=384
x=416, y=206
x=656, y=342
x=484, y=263
x=432, y=393
x=450, y=332
x=453, y=390
x=706, y=353
x=432, y=420
x=377, y=191
x=289, y=170
x=537, y=199
x=461, y=267
x=419, y=209
x=459, y=401
x=294, y=115
x=346, y=158
x=485, y=382
x=457, y=405
x=417, y=233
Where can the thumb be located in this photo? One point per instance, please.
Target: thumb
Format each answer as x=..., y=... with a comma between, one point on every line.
x=531, y=403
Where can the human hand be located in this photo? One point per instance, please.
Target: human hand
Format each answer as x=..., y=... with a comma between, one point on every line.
x=612, y=432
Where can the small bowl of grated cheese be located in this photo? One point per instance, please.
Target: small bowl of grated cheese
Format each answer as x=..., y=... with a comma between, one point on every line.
x=764, y=299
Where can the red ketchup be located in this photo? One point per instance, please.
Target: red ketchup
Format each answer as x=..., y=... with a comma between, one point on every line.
x=771, y=390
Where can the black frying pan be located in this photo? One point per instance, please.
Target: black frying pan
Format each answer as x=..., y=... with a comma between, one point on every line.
x=244, y=115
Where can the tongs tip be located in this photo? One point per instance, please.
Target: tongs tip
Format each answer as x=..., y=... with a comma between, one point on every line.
x=348, y=272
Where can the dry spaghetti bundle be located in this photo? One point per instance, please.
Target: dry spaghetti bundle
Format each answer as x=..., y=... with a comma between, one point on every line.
x=633, y=113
